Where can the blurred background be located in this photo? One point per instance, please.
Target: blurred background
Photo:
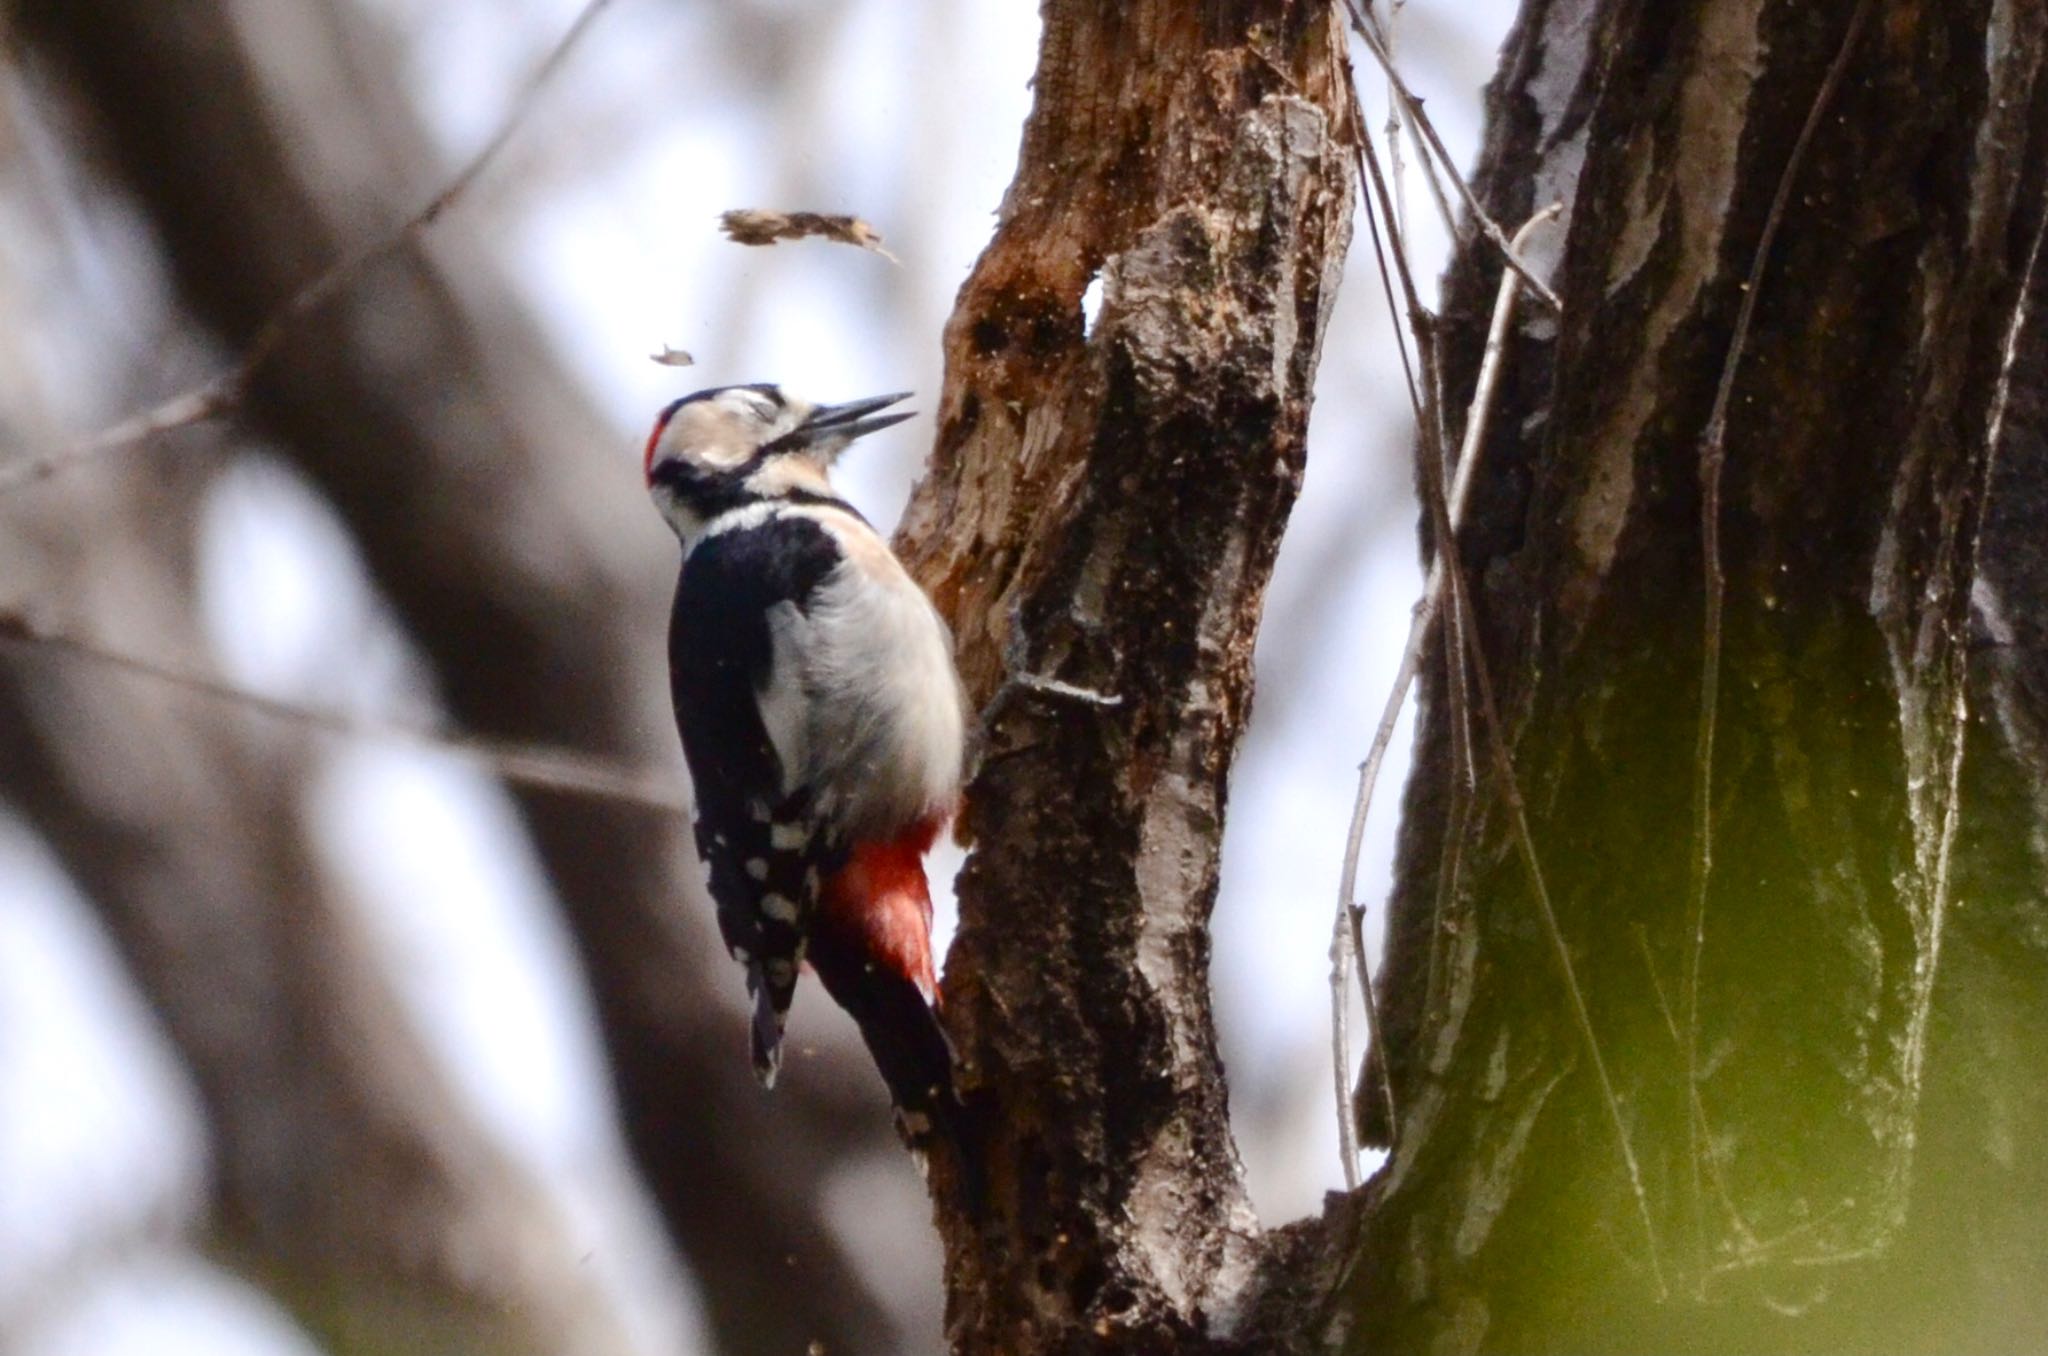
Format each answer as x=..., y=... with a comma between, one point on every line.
x=316, y=1040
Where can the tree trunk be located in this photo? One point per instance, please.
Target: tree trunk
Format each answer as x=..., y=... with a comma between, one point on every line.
x=1803, y=1109
x=1100, y=523
x=1711, y=979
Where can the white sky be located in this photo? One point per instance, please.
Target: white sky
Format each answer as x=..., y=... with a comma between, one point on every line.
x=100, y=1143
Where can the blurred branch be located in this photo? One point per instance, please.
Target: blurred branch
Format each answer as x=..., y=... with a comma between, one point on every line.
x=188, y=840
x=524, y=765
x=224, y=392
x=461, y=457
x=1348, y=928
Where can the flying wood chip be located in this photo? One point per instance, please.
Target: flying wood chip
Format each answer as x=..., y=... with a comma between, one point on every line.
x=757, y=226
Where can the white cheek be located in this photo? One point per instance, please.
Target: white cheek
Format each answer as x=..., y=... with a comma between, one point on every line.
x=708, y=435
x=780, y=477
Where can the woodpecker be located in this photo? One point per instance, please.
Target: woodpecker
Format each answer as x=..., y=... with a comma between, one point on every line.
x=821, y=717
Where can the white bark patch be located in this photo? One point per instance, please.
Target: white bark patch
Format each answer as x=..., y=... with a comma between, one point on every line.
x=1491, y=1176
x=1175, y=859
x=1567, y=43
x=1291, y=133
x=1175, y=870
x=1158, y=1205
x=2007, y=78
x=1696, y=188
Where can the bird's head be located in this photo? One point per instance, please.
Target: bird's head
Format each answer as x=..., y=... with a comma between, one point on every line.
x=738, y=430
x=732, y=446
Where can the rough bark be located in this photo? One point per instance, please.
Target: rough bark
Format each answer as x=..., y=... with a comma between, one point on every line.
x=485, y=502
x=1100, y=521
x=1849, y=1161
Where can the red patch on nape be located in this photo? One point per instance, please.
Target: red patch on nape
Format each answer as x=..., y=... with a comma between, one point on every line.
x=881, y=902
x=647, y=457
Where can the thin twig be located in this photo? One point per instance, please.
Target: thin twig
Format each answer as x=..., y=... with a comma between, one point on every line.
x=1413, y=108
x=1525, y=846
x=1393, y=129
x=1455, y=229
x=522, y=764
x=1342, y=951
x=1713, y=457
x=223, y=393
x=1424, y=160
x=1394, y=246
x=1423, y=619
x=1457, y=819
x=1430, y=175
x=1670, y=1017
x=1340, y=1050
x=1462, y=615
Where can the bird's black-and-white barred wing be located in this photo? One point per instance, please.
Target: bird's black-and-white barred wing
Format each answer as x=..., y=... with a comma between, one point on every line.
x=755, y=829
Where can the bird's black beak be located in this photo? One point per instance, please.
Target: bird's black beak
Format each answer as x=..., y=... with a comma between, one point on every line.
x=832, y=427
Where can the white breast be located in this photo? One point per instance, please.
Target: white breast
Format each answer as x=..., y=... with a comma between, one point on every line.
x=884, y=727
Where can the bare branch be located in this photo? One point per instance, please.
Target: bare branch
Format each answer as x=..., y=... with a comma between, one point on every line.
x=1420, y=625
x=1713, y=456
x=223, y=393
x=1413, y=108
x=1344, y=948
x=1447, y=547
x=1525, y=847
x=522, y=764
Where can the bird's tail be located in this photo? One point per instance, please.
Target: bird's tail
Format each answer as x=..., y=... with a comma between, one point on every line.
x=766, y=1036
x=872, y=946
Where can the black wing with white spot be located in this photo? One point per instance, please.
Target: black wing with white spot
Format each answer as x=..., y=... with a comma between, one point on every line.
x=757, y=834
